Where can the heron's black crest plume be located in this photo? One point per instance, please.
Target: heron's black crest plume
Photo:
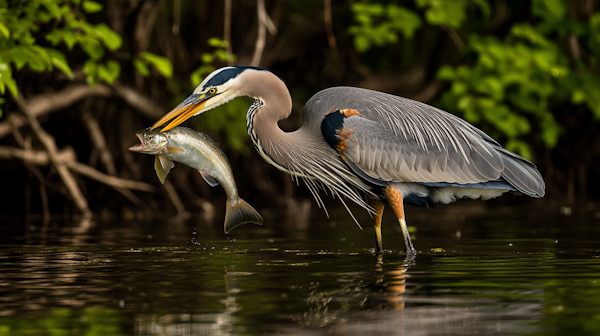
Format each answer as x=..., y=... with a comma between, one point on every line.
x=228, y=73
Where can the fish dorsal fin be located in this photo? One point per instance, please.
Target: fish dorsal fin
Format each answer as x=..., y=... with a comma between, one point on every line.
x=162, y=166
x=173, y=149
x=209, y=179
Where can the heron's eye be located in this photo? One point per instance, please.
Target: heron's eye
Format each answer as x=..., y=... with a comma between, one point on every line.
x=212, y=91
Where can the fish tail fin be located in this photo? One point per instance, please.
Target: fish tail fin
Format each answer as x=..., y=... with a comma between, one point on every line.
x=241, y=213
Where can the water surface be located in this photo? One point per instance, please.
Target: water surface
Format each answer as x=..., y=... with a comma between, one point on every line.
x=491, y=274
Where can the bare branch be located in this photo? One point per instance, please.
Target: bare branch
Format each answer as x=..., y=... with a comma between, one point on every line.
x=264, y=23
x=113, y=181
x=460, y=45
x=227, y=31
x=329, y=25
x=67, y=158
x=139, y=101
x=48, y=141
x=47, y=103
x=99, y=142
x=174, y=198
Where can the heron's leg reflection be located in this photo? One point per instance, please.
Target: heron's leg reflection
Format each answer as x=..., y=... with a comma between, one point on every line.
x=394, y=200
x=378, y=206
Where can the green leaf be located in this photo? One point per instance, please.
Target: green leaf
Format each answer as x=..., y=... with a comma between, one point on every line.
x=4, y=30
x=444, y=12
x=519, y=147
x=578, y=96
x=484, y=6
x=404, y=20
x=93, y=49
x=141, y=67
x=59, y=60
x=217, y=43
x=91, y=6
x=109, y=72
x=553, y=10
x=90, y=69
x=162, y=64
x=550, y=130
x=446, y=73
x=109, y=37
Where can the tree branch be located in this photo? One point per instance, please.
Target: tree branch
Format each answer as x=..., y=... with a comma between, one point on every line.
x=139, y=101
x=47, y=103
x=48, y=142
x=67, y=157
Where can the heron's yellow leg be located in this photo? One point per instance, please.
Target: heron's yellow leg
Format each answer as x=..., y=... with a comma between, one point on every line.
x=378, y=206
x=394, y=200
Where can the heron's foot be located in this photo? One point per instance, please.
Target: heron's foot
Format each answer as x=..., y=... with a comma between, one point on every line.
x=410, y=249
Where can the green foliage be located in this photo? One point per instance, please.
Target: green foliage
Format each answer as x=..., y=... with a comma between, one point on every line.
x=380, y=25
x=515, y=80
x=513, y=83
x=26, y=25
x=161, y=64
x=63, y=321
x=510, y=84
x=450, y=12
x=229, y=118
x=219, y=54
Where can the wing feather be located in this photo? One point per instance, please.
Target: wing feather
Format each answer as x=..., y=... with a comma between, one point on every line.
x=400, y=140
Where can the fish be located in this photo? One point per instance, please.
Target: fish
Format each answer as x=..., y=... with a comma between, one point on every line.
x=198, y=151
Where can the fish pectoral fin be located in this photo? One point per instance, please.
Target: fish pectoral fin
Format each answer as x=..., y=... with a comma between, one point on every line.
x=209, y=179
x=174, y=149
x=162, y=166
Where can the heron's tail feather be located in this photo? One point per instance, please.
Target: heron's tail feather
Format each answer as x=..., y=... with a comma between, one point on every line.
x=522, y=174
x=241, y=213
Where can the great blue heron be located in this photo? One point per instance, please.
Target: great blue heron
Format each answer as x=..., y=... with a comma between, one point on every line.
x=371, y=147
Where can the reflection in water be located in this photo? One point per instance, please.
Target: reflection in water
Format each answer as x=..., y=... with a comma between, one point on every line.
x=138, y=280
x=221, y=323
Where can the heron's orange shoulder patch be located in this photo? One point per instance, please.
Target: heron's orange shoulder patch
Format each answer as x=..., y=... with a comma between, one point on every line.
x=349, y=112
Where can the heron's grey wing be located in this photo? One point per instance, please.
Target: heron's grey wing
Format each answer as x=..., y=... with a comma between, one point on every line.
x=382, y=155
x=397, y=139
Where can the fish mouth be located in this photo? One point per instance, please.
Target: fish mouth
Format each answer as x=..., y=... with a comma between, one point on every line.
x=187, y=109
x=141, y=147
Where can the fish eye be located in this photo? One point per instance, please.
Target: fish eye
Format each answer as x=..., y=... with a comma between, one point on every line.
x=212, y=91
x=151, y=137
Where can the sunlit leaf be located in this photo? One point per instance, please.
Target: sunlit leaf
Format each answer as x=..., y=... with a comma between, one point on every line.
x=549, y=9
x=110, y=38
x=141, y=68
x=59, y=60
x=162, y=64
x=91, y=6
x=109, y=72
x=4, y=30
x=90, y=69
x=444, y=12
x=93, y=49
x=519, y=147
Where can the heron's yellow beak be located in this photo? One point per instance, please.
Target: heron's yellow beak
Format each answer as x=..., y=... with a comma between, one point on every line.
x=187, y=109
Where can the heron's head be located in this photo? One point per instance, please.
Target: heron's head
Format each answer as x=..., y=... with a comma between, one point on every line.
x=216, y=89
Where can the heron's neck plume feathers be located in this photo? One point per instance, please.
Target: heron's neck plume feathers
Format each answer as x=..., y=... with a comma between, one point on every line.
x=301, y=153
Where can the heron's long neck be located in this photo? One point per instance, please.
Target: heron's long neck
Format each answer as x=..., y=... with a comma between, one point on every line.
x=272, y=104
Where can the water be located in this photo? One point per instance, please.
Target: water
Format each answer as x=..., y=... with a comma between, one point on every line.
x=493, y=274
